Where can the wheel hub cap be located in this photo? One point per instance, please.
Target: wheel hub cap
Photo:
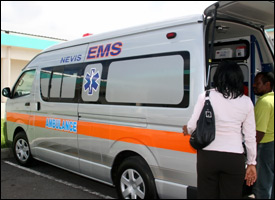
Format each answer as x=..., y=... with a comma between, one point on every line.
x=132, y=185
x=22, y=150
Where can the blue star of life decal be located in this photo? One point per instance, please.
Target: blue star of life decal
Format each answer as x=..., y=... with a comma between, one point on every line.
x=91, y=81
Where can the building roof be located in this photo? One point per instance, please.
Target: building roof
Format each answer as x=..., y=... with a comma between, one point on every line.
x=17, y=39
x=270, y=30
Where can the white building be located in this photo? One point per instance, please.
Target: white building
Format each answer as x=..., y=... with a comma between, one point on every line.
x=270, y=32
x=17, y=49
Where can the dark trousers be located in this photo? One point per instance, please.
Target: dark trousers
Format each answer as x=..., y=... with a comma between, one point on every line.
x=265, y=171
x=220, y=175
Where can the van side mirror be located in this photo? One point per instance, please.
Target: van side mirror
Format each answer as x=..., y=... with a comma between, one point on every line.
x=6, y=92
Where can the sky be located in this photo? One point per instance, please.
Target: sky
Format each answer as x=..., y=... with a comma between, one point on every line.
x=71, y=19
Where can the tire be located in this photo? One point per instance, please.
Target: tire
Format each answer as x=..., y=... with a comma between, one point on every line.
x=21, y=149
x=135, y=180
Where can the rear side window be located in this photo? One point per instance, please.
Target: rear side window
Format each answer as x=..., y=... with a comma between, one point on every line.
x=157, y=80
x=59, y=84
x=24, y=84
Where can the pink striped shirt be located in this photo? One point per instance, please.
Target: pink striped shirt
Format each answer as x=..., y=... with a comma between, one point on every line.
x=234, y=117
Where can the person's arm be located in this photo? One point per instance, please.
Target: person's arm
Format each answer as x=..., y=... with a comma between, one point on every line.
x=259, y=136
x=262, y=113
x=249, y=131
x=250, y=175
x=184, y=130
x=192, y=123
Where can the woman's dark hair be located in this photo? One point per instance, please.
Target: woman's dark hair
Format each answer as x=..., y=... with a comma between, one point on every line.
x=228, y=80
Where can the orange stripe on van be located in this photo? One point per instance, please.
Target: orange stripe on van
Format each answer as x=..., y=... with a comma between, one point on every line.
x=18, y=118
x=40, y=121
x=153, y=138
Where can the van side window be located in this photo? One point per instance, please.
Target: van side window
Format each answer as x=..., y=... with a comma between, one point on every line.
x=59, y=84
x=24, y=84
x=157, y=80
x=45, y=76
x=56, y=80
x=69, y=83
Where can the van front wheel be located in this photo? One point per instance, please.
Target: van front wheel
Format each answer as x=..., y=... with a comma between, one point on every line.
x=135, y=180
x=21, y=149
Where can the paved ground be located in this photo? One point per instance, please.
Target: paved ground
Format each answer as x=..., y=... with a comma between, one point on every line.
x=43, y=181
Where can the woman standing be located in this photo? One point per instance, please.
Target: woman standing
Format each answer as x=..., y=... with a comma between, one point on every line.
x=221, y=165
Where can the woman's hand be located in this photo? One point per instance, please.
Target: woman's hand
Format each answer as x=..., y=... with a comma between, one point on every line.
x=184, y=130
x=250, y=175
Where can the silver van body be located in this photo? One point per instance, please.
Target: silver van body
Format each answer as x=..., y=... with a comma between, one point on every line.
x=91, y=104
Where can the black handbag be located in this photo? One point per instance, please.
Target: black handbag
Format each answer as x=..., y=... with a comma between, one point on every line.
x=205, y=132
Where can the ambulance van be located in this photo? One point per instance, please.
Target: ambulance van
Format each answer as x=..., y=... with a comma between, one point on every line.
x=111, y=107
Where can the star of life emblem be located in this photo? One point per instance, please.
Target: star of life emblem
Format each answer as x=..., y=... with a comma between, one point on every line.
x=91, y=85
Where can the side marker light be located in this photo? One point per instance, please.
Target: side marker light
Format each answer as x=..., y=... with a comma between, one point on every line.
x=171, y=35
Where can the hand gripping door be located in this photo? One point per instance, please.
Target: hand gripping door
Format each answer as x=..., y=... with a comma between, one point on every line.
x=205, y=131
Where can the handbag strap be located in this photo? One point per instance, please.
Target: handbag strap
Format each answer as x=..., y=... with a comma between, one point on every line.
x=207, y=94
x=208, y=114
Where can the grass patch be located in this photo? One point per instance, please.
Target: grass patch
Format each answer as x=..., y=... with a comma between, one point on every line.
x=3, y=139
